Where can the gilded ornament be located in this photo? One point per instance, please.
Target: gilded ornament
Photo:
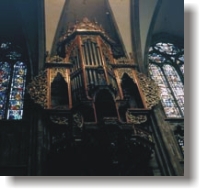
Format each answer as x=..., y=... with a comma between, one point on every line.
x=122, y=71
x=144, y=134
x=124, y=60
x=135, y=119
x=85, y=25
x=54, y=59
x=78, y=120
x=38, y=89
x=55, y=71
x=92, y=38
x=59, y=120
x=149, y=89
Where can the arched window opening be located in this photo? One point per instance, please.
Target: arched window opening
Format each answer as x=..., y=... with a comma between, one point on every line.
x=13, y=73
x=105, y=105
x=131, y=92
x=166, y=67
x=59, y=92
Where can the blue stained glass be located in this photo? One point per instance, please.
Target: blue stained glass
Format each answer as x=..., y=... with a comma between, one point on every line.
x=175, y=84
x=2, y=99
x=157, y=58
x=182, y=68
x=2, y=104
x=167, y=48
x=172, y=112
x=18, y=81
x=15, y=114
x=15, y=110
x=16, y=94
x=15, y=105
x=5, y=70
x=181, y=58
x=150, y=49
x=167, y=99
x=167, y=78
x=168, y=102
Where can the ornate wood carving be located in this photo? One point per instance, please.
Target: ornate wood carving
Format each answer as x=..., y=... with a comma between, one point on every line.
x=61, y=120
x=149, y=89
x=92, y=38
x=69, y=47
x=135, y=119
x=54, y=59
x=124, y=60
x=143, y=134
x=55, y=71
x=38, y=89
x=84, y=25
x=122, y=71
x=78, y=119
x=106, y=51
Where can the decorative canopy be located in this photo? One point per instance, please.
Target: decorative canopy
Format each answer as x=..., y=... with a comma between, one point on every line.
x=85, y=26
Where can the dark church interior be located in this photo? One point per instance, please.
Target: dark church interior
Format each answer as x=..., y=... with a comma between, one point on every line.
x=91, y=88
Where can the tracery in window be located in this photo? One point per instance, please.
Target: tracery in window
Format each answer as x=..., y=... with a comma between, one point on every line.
x=166, y=67
x=12, y=83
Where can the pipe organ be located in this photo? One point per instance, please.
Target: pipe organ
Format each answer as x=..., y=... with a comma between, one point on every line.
x=108, y=101
x=91, y=67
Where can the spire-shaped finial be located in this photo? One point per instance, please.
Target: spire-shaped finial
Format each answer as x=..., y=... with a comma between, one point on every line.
x=85, y=20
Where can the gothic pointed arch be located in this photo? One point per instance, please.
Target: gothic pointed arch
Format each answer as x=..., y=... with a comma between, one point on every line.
x=127, y=71
x=166, y=68
x=131, y=92
x=105, y=105
x=59, y=92
x=13, y=71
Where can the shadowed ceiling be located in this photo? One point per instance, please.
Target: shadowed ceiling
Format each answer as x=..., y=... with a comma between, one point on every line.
x=23, y=22
x=19, y=25
x=11, y=25
x=76, y=10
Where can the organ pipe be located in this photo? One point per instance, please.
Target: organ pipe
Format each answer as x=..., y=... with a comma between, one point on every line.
x=86, y=55
x=90, y=52
x=99, y=56
x=95, y=77
x=91, y=78
x=94, y=50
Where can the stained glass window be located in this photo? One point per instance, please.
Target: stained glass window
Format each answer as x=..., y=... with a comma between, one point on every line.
x=166, y=67
x=5, y=72
x=12, y=84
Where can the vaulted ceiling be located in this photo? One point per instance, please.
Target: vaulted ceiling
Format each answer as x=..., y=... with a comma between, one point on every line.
x=131, y=22
x=36, y=24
